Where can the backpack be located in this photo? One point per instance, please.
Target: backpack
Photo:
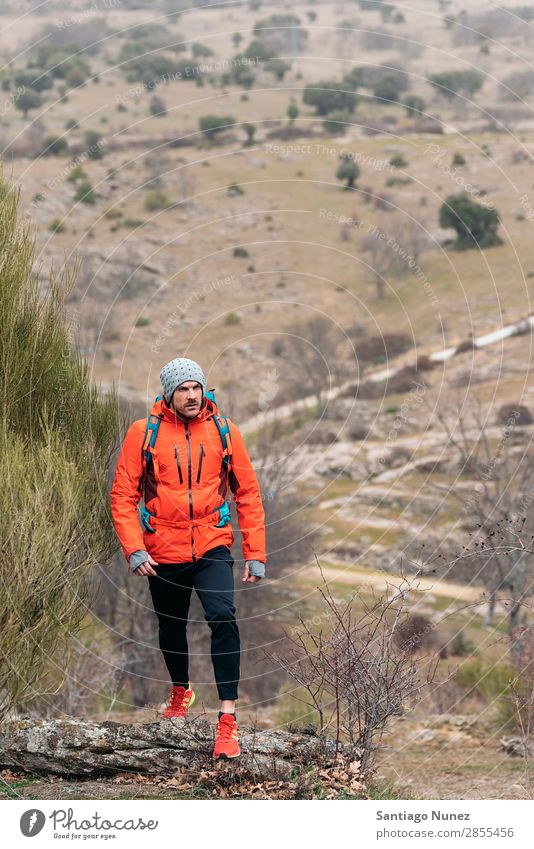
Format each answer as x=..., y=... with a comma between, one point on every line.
x=151, y=434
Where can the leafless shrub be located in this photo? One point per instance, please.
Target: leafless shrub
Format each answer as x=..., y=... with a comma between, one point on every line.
x=519, y=412
x=500, y=552
x=416, y=633
x=394, y=248
x=424, y=363
x=89, y=680
x=315, y=353
x=376, y=349
x=352, y=670
x=401, y=382
x=466, y=345
x=357, y=431
x=378, y=39
x=322, y=434
x=158, y=164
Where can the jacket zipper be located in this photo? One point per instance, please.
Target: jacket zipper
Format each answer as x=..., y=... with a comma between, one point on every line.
x=200, y=462
x=178, y=466
x=190, y=485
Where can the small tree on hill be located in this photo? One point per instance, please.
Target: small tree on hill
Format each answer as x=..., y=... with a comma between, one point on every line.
x=292, y=110
x=329, y=96
x=211, y=125
x=347, y=170
x=29, y=99
x=475, y=224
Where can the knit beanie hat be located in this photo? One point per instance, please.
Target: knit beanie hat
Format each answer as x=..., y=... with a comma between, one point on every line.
x=178, y=371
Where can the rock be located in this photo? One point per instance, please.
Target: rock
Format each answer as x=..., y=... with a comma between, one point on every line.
x=516, y=747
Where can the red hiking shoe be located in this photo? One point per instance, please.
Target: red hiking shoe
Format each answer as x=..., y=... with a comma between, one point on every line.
x=180, y=700
x=226, y=745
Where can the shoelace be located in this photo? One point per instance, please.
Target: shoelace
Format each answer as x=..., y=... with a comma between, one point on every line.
x=225, y=728
x=176, y=697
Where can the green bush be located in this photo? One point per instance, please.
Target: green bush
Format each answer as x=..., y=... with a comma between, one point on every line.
x=231, y=318
x=130, y=223
x=58, y=436
x=450, y=84
x=475, y=225
x=54, y=146
x=142, y=321
x=348, y=170
x=234, y=189
x=414, y=105
x=77, y=173
x=337, y=121
x=330, y=96
x=398, y=161
x=57, y=226
x=93, y=140
x=156, y=199
x=84, y=192
x=29, y=99
x=398, y=181
x=211, y=125
x=113, y=212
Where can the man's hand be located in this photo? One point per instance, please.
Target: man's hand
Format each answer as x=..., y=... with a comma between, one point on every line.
x=146, y=567
x=247, y=577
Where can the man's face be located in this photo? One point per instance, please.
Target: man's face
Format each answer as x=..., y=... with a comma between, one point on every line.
x=187, y=399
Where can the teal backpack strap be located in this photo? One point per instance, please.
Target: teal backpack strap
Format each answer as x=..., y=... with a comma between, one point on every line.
x=151, y=434
x=224, y=431
x=223, y=427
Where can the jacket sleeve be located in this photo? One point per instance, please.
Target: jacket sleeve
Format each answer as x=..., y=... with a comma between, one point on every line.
x=126, y=491
x=247, y=497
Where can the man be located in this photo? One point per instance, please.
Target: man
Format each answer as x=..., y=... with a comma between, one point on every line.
x=186, y=535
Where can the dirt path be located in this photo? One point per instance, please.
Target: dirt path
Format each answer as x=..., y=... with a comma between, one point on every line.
x=345, y=573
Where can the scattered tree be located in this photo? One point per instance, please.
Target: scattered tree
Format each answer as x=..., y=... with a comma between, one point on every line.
x=476, y=225
x=414, y=105
x=249, y=129
x=211, y=125
x=329, y=96
x=347, y=170
x=157, y=106
x=292, y=110
x=450, y=84
x=54, y=146
x=27, y=100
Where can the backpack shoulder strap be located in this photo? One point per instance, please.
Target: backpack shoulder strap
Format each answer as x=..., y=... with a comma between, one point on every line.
x=226, y=440
x=151, y=434
x=221, y=423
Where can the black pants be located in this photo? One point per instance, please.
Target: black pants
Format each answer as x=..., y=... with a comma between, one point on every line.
x=213, y=580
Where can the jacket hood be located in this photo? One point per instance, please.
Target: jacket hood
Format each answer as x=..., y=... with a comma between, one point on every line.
x=165, y=413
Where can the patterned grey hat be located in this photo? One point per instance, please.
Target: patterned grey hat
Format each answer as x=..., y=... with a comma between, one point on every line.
x=177, y=372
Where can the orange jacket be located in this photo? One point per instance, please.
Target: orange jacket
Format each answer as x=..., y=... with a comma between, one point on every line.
x=184, y=484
